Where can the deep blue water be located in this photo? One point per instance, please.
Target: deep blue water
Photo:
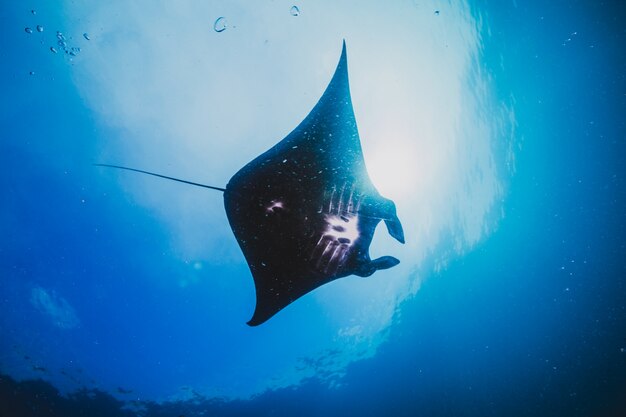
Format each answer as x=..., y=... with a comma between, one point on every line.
x=530, y=322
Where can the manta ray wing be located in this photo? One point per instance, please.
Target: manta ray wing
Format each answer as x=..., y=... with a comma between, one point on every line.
x=304, y=212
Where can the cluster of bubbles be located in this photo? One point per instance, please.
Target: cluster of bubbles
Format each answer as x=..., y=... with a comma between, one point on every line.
x=221, y=24
x=63, y=46
x=62, y=41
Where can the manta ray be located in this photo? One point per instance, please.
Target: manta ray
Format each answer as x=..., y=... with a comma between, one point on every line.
x=304, y=212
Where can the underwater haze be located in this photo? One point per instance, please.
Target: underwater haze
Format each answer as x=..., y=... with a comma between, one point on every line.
x=496, y=127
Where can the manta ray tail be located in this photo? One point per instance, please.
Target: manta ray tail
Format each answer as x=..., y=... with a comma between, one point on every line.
x=162, y=176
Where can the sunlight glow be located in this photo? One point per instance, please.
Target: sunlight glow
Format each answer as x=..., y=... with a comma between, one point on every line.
x=393, y=170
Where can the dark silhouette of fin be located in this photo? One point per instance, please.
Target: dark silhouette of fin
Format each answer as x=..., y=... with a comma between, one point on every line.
x=304, y=212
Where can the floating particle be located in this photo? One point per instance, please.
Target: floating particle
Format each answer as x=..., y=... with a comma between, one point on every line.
x=62, y=43
x=33, y=11
x=60, y=36
x=28, y=30
x=86, y=36
x=39, y=28
x=220, y=24
x=295, y=11
x=53, y=50
x=32, y=73
x=437, y=12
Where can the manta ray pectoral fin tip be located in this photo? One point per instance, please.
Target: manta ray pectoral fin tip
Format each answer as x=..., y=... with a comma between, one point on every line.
x=260, y=317
x=255, y=321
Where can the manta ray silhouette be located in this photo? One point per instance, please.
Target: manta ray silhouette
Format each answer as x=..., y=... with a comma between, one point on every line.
x=304, y=212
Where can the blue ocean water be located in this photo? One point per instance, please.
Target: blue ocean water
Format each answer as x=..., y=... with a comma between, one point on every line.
x=106, y=312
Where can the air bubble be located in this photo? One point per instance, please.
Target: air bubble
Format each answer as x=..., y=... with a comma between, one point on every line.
x=295, y=11
x=28, y=30
x=220, y=24
x=39, y=28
